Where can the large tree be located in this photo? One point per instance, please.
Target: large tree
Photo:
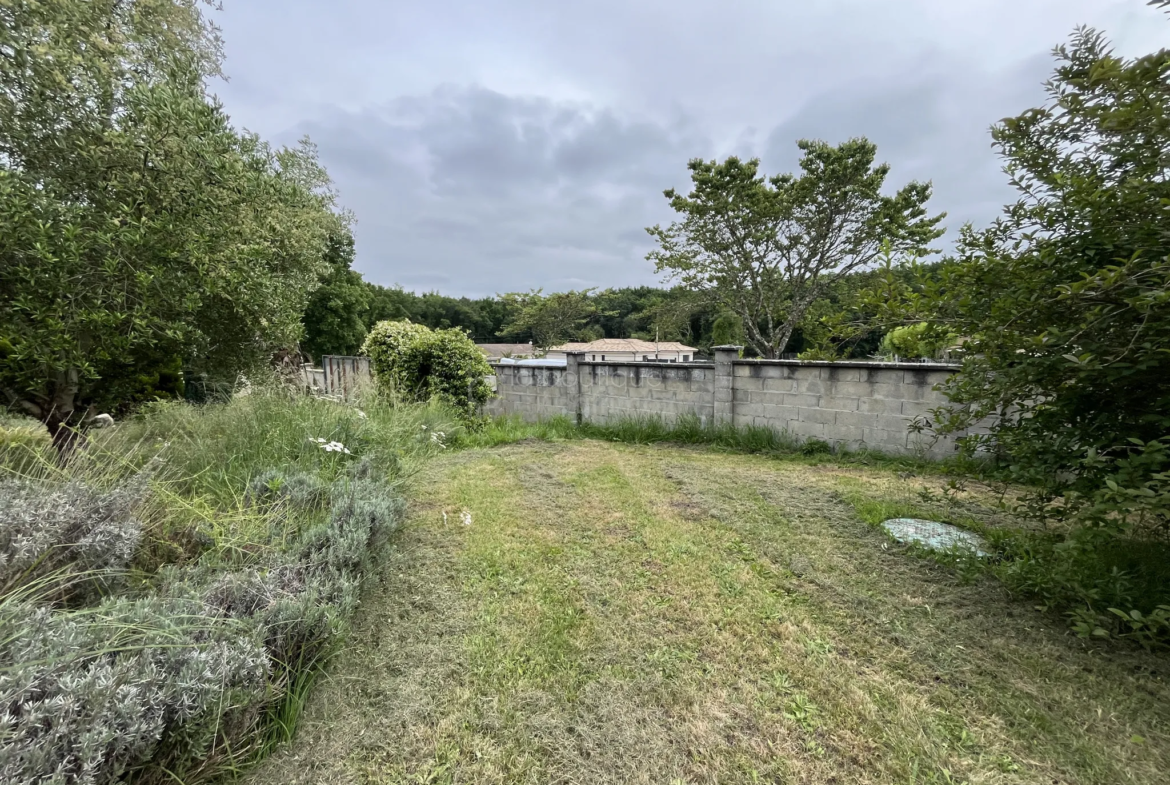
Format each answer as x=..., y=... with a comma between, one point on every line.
x=136, y=224
x=767, y=248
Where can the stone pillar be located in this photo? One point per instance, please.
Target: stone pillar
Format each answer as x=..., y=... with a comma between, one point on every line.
x=573, y=383
x=724, y=378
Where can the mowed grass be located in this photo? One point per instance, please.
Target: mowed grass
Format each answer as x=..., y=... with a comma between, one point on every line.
x=626, y=614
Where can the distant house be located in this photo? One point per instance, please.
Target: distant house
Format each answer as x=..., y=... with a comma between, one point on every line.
x=627, y=350
x=498, y=351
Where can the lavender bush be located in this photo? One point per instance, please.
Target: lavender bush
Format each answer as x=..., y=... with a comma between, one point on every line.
x=181, y=678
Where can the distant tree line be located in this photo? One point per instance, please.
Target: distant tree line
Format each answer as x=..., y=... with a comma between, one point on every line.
x=346, y=307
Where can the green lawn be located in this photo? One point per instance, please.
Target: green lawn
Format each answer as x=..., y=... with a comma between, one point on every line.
x=619, y=614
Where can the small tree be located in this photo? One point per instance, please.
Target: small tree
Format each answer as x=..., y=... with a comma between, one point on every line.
x=335, y=319
x=767, y=249
x=549, y=320
x=419, y=363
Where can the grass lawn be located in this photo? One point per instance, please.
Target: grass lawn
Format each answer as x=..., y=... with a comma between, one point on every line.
x=617, y=613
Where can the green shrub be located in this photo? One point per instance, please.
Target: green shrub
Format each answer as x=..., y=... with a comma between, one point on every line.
x=1107, y=585
x=419, y=364
x=922, y=341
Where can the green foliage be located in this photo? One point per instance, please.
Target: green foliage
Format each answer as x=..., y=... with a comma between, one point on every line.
x=419, y=364
x=768, y=249
x=1062, y=309
x=135, y=224
x=727, y=330
x=916, y=341
x=1065, y=302
x=482, y=319
x=335, y=318
x=550, y=320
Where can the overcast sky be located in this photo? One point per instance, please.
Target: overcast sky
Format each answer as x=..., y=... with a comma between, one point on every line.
x=490, y=146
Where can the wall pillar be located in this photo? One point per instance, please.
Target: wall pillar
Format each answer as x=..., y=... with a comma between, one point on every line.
x=573, y=383
x=725, y=356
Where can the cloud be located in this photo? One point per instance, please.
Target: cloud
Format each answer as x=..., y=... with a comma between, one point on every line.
x=473, y=191
x=489, y=147
x=479, y=192
x=932, y=123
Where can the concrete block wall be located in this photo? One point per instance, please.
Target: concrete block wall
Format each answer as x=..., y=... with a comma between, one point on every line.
x=533, y=393
x=610, y=391
x=856, y=404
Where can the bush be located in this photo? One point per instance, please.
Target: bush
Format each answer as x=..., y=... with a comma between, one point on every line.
x=68, y=541
x=419, y=364
x=203, y=667
x=1107, y=585
x=86, y=696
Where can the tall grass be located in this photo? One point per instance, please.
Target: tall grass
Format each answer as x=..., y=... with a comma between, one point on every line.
x=180, y=583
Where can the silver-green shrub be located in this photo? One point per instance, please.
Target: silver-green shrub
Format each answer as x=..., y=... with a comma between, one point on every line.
x=87, y=695
x=75, y=534
x=166, y=683
x=301, y=490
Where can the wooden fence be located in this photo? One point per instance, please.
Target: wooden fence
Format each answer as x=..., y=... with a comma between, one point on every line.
x=338, y=376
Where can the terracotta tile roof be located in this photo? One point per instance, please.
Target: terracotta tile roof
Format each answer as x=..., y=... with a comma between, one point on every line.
x=624, y=345
x=501, y=349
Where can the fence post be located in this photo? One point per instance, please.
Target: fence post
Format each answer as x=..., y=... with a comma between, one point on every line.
x=725, y=356
x=573, y=383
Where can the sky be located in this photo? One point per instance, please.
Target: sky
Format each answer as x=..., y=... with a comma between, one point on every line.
x=488, y=146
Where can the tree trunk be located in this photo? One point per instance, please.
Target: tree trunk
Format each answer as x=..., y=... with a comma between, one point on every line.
x=66, y=438
x=61, y=409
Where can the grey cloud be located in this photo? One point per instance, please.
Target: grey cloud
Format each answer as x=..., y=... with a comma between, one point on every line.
x=483, y=192
x=933, y=124
x=547, y=173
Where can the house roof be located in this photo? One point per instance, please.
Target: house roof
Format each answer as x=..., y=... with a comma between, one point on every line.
x=634, y=345
x=500, y=349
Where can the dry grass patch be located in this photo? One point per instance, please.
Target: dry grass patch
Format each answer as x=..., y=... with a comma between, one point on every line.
x=619, y=614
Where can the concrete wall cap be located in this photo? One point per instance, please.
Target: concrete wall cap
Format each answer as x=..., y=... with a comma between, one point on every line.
x=931, y=366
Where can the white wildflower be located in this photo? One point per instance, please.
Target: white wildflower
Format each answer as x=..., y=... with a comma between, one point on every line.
x=465, y=516
x=335, y=447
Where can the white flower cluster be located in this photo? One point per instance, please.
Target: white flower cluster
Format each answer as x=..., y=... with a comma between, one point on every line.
x=437, y=437
x=329, y=446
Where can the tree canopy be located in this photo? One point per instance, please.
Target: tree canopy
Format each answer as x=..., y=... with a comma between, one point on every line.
x=549, y=320
x=1065, y=301
x=135, y=223
x=767, y=249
